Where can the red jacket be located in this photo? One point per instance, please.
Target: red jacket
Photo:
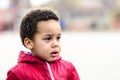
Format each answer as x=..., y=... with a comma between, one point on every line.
x=32, y=68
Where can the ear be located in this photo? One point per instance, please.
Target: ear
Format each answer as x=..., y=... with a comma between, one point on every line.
x=28, y=43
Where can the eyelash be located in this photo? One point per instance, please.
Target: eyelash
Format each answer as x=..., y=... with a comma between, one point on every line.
x=59, y=37
x=49, y=38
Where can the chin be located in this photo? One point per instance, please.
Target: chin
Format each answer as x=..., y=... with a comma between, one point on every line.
x=51, y=60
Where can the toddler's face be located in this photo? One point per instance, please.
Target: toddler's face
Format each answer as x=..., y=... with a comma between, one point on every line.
x=46, y=42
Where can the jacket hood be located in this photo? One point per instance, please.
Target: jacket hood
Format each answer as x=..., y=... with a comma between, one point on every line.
x=26, y=57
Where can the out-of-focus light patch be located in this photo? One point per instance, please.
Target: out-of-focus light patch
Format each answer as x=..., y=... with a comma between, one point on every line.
x=90, y=3
x=38, y=2
x=4, y=4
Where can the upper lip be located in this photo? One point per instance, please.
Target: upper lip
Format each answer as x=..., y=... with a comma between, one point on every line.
x=54, y=52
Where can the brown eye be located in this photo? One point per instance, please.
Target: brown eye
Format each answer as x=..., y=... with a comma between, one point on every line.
x=58, y=38
x=48, y=38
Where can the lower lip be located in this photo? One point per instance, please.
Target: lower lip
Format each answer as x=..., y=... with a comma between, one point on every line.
x=54, y=55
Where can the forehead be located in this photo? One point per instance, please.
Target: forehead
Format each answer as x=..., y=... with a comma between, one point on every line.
x=49, y=26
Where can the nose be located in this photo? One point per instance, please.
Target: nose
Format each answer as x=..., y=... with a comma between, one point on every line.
x=55, y=43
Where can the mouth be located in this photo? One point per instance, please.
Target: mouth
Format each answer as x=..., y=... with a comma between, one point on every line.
x=54, y=53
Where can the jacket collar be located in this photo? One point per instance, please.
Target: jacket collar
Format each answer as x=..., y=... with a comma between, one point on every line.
x=26, y=57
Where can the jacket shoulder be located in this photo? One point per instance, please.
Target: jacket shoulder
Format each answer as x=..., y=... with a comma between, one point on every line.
x=17, y=67
x=16, y=72
x=72, y=72
x=11, y=76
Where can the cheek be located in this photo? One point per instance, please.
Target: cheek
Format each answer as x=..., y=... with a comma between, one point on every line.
x=60, y=47
x=41, y=49
x=44, y=47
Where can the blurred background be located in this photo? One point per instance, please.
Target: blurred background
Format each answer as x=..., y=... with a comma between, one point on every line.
x=91, y=35
x=77, y=15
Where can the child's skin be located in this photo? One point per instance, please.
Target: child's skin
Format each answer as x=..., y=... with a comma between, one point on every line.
x=46, y=41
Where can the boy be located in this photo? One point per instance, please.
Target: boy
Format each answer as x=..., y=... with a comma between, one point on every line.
x=40, y=32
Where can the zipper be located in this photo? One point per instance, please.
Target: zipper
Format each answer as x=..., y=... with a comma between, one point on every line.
x=50, y=71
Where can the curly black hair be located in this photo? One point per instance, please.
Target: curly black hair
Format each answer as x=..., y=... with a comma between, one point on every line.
x=28, y=26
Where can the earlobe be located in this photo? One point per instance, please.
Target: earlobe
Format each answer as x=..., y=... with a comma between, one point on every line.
x=28, y=43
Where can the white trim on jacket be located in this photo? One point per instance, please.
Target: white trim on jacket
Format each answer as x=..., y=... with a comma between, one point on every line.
x=50, y=71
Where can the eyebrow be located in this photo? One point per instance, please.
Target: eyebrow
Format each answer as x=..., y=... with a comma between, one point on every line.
x=49, y=34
